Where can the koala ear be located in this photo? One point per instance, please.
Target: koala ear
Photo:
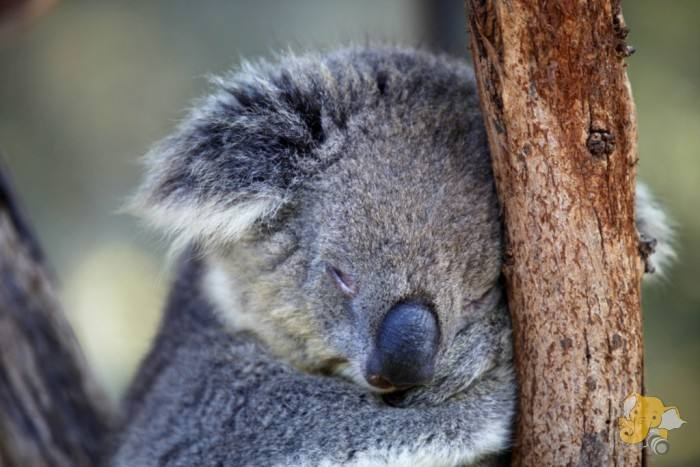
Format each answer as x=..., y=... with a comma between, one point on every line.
x=241, y=154
x=656, y=232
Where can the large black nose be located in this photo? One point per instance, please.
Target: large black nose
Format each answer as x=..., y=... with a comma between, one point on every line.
x=405, y=347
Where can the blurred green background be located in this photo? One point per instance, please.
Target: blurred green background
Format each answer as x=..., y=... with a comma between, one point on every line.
x=87, y=87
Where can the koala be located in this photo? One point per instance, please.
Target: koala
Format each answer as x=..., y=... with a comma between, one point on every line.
x=338, y=299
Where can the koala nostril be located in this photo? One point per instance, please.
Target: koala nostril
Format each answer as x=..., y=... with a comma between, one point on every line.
x=405, y=347
x=380, y=382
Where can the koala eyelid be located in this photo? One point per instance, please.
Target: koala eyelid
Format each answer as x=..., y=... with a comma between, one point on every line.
x=342, y=280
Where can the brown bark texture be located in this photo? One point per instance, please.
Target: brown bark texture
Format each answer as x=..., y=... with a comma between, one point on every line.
x=51, y=414
x=561, y=123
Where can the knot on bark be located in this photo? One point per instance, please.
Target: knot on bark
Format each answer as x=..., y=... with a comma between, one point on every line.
x=600, y=143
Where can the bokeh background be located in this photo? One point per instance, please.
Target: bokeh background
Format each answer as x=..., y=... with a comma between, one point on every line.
x=87, y=87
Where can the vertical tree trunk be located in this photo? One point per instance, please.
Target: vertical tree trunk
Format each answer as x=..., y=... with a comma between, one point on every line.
x=561, y=124
x=51, y=414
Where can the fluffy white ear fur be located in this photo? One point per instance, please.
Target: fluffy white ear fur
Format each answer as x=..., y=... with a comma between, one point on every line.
x=207, y=224
x=654, y=224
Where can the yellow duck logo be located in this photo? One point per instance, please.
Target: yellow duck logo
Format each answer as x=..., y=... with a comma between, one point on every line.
x=647, y=418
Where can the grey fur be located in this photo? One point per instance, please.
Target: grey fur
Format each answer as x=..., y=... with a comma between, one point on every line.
x=370, y=160
x=206, y=397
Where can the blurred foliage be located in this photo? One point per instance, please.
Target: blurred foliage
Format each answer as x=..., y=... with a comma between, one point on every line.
x=87, y=88
x=665, y=76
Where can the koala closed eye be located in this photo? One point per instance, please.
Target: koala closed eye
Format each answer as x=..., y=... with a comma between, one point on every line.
x=342, y=280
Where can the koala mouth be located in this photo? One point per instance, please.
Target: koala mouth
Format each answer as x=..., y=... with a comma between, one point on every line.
x=351, y=371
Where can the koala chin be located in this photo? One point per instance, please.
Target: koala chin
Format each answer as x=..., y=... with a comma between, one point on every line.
x=338, y=298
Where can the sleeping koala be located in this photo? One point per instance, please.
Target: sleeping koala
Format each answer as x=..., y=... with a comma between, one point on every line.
x=338, y=301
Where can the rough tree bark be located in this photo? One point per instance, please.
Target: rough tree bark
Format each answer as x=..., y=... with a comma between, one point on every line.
x=561, y=125
x=51, y=414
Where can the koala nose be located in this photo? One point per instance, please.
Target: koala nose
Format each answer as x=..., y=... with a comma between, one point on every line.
x=405, y=348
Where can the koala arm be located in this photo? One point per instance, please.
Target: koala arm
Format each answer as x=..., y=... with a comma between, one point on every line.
x=222, y=400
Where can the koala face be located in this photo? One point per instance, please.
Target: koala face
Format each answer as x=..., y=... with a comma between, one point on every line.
x=403, y=248
x=346, y=206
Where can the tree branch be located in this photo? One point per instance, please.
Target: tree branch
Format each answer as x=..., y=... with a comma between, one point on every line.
x=51, y=414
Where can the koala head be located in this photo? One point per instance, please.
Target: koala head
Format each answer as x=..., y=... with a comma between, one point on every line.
x=345, y=206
